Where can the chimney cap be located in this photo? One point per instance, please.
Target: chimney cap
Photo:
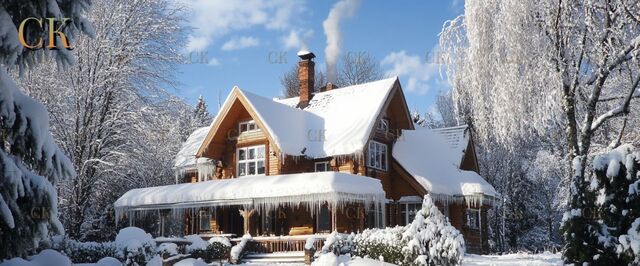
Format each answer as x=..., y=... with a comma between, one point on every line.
x=306, y=55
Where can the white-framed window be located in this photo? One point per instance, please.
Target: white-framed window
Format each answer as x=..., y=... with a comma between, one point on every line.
x=408, y=212
x=205, y=220
x=247, y=126
x=383, y=125
x=322, y=167
x=377, y=155
x=251, y=160
x=473, y=218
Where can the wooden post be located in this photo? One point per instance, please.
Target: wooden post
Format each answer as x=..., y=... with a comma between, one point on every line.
x=246, y=216
x=334, y=210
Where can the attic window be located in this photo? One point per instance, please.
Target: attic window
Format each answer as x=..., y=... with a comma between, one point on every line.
x=383, y=125
x=247, y=126
x=377, y=155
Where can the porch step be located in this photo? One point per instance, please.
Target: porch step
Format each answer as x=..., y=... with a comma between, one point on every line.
x=277, y=257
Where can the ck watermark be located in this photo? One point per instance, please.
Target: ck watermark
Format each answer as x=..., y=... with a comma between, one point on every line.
x=53, y=26
x=277, y=57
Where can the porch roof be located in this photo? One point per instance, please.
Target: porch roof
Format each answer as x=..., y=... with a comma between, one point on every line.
x=312, y=189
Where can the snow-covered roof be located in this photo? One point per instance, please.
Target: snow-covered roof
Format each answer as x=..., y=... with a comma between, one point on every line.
x=336, y=122
x=268, y=192
x=186, y=157
x=426, y=156
x=457, y=139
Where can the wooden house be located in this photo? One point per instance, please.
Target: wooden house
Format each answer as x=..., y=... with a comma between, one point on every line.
x=342, y=159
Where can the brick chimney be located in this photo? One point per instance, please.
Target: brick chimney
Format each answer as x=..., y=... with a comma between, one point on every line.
x=306, y=72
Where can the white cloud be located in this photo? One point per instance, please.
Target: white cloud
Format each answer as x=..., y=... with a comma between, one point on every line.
x=213, y=19
x=240, y=43
x=418, y=72
x=213, y=62
x=297, y=39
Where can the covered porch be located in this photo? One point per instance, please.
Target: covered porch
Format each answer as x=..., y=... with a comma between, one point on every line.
x=271, y=207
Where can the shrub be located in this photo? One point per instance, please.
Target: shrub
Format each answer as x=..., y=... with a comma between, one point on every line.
x=214, y=251
x=135, y=246
x=83, y=252
x=386, y=244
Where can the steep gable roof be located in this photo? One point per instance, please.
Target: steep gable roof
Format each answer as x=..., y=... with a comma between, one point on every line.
x=336, y=122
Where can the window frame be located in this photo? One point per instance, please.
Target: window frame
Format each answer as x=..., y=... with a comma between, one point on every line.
x=255, y=160
x=383, y=125
x=374, y=146
x=473, y=213
x=327, y=166
x=248, y=123
x=204, y=214
x=405, y=210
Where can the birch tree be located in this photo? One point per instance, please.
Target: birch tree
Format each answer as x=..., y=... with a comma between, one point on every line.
x=549, y=68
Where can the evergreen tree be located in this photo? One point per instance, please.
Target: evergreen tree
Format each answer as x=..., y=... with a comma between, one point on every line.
x=201, y=116
x=579, y=229
x=30, y=161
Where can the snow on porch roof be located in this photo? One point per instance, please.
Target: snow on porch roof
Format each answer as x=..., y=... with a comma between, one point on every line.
x=312, y=189
x=427, y=157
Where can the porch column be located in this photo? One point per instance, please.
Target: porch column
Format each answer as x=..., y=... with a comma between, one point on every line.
x=246, y=217
x=334, y=219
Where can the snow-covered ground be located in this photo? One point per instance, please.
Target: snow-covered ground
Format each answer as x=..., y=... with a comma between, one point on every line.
x=513, y=259
x=544, y=259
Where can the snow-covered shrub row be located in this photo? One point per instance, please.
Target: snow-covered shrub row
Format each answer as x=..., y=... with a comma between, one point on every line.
x=132, y=246
x=216, y=248
x=429, y=240
x=238, y=249
x=84, y=252
x=385, y=244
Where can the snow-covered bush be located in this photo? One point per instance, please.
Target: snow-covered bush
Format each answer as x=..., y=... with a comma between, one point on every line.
x=337, y=243
x=432, y=239
x=217, y=248
x=45, y=257
x=616, y=209
x=168, y=249
x=237, y=250
x=135, y=246
x=429, y=240
x=382, y=244
x=197, y=243
x=84, y=252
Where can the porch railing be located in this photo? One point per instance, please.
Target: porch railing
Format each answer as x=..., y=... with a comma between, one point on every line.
x=281, y=243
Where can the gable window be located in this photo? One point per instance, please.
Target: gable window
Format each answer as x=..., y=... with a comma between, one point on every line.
x=322, y=167
x=383, y=125
x=377, y=155
x=247, y=126
x=251, y=161
x=205, y=220
x=473, y=218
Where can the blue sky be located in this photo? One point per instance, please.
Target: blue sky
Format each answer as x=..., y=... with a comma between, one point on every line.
x=252, y=43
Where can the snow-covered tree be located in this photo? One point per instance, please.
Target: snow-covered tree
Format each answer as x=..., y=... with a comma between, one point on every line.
x=30, y=160
x=110, y=111
x=568, y=69
x=201, y=116
x=432, y=239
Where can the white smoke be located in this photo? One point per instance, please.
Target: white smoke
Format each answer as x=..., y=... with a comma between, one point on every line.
x=331, y=25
